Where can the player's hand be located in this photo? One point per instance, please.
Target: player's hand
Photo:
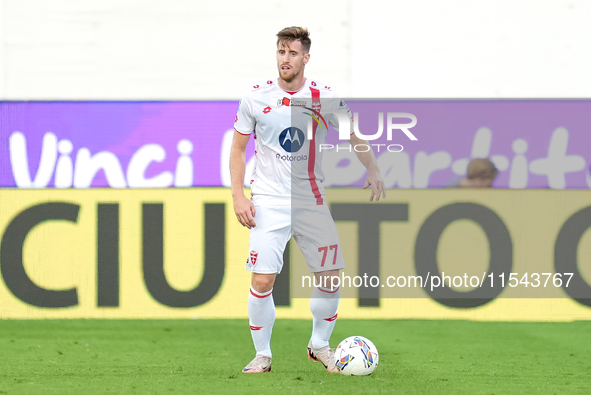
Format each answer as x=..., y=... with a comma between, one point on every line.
x=375, y=180
x=245, y=211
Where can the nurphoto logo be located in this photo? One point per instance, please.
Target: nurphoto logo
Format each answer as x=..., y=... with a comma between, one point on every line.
x=346, y=121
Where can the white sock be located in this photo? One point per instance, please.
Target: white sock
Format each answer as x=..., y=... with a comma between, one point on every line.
x=323, y=304
x=261, y=317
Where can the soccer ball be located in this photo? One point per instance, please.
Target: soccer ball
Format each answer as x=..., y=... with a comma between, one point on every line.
x=356, y=356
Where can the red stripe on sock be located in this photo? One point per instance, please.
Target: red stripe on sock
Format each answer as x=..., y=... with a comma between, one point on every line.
x=329, y=292
x=333, y=318
x=255, y=328
x=260, y=296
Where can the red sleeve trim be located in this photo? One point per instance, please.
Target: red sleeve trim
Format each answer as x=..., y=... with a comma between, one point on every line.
x=244, y=134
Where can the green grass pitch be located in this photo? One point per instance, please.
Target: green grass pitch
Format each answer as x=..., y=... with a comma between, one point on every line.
x=206, y=356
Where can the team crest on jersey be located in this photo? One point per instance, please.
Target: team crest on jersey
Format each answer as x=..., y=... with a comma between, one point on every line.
x=253, y=257
x=291, y=139
x=317, y=116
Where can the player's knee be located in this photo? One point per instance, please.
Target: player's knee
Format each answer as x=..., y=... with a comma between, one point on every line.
x=263, y=282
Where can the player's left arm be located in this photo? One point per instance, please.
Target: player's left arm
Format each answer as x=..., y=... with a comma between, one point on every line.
x=374, y=178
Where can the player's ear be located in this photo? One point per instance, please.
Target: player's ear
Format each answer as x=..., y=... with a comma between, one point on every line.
x=306, y=58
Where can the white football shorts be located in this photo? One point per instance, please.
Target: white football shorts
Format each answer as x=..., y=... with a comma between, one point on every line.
x=313, y=229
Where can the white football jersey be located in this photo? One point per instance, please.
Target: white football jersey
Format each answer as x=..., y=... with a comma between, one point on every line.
x=288, y=162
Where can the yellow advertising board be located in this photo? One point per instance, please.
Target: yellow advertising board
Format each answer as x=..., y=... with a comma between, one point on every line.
x=180, y=253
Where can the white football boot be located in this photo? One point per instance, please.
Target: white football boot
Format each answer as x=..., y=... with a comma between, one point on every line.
x=324, y=355
x=260, y=364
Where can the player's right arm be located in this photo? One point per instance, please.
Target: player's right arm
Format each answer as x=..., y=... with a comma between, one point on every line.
x=243, y=207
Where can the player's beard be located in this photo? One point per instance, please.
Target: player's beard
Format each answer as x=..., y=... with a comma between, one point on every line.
x=290, y=77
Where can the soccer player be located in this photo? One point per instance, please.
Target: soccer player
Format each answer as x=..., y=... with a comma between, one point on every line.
x=287, y=196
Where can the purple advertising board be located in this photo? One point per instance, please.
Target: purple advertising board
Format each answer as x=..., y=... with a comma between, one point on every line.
x=534, y=143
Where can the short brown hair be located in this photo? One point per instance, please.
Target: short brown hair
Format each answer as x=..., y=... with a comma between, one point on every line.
x=482, y=168
x=294, y=33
